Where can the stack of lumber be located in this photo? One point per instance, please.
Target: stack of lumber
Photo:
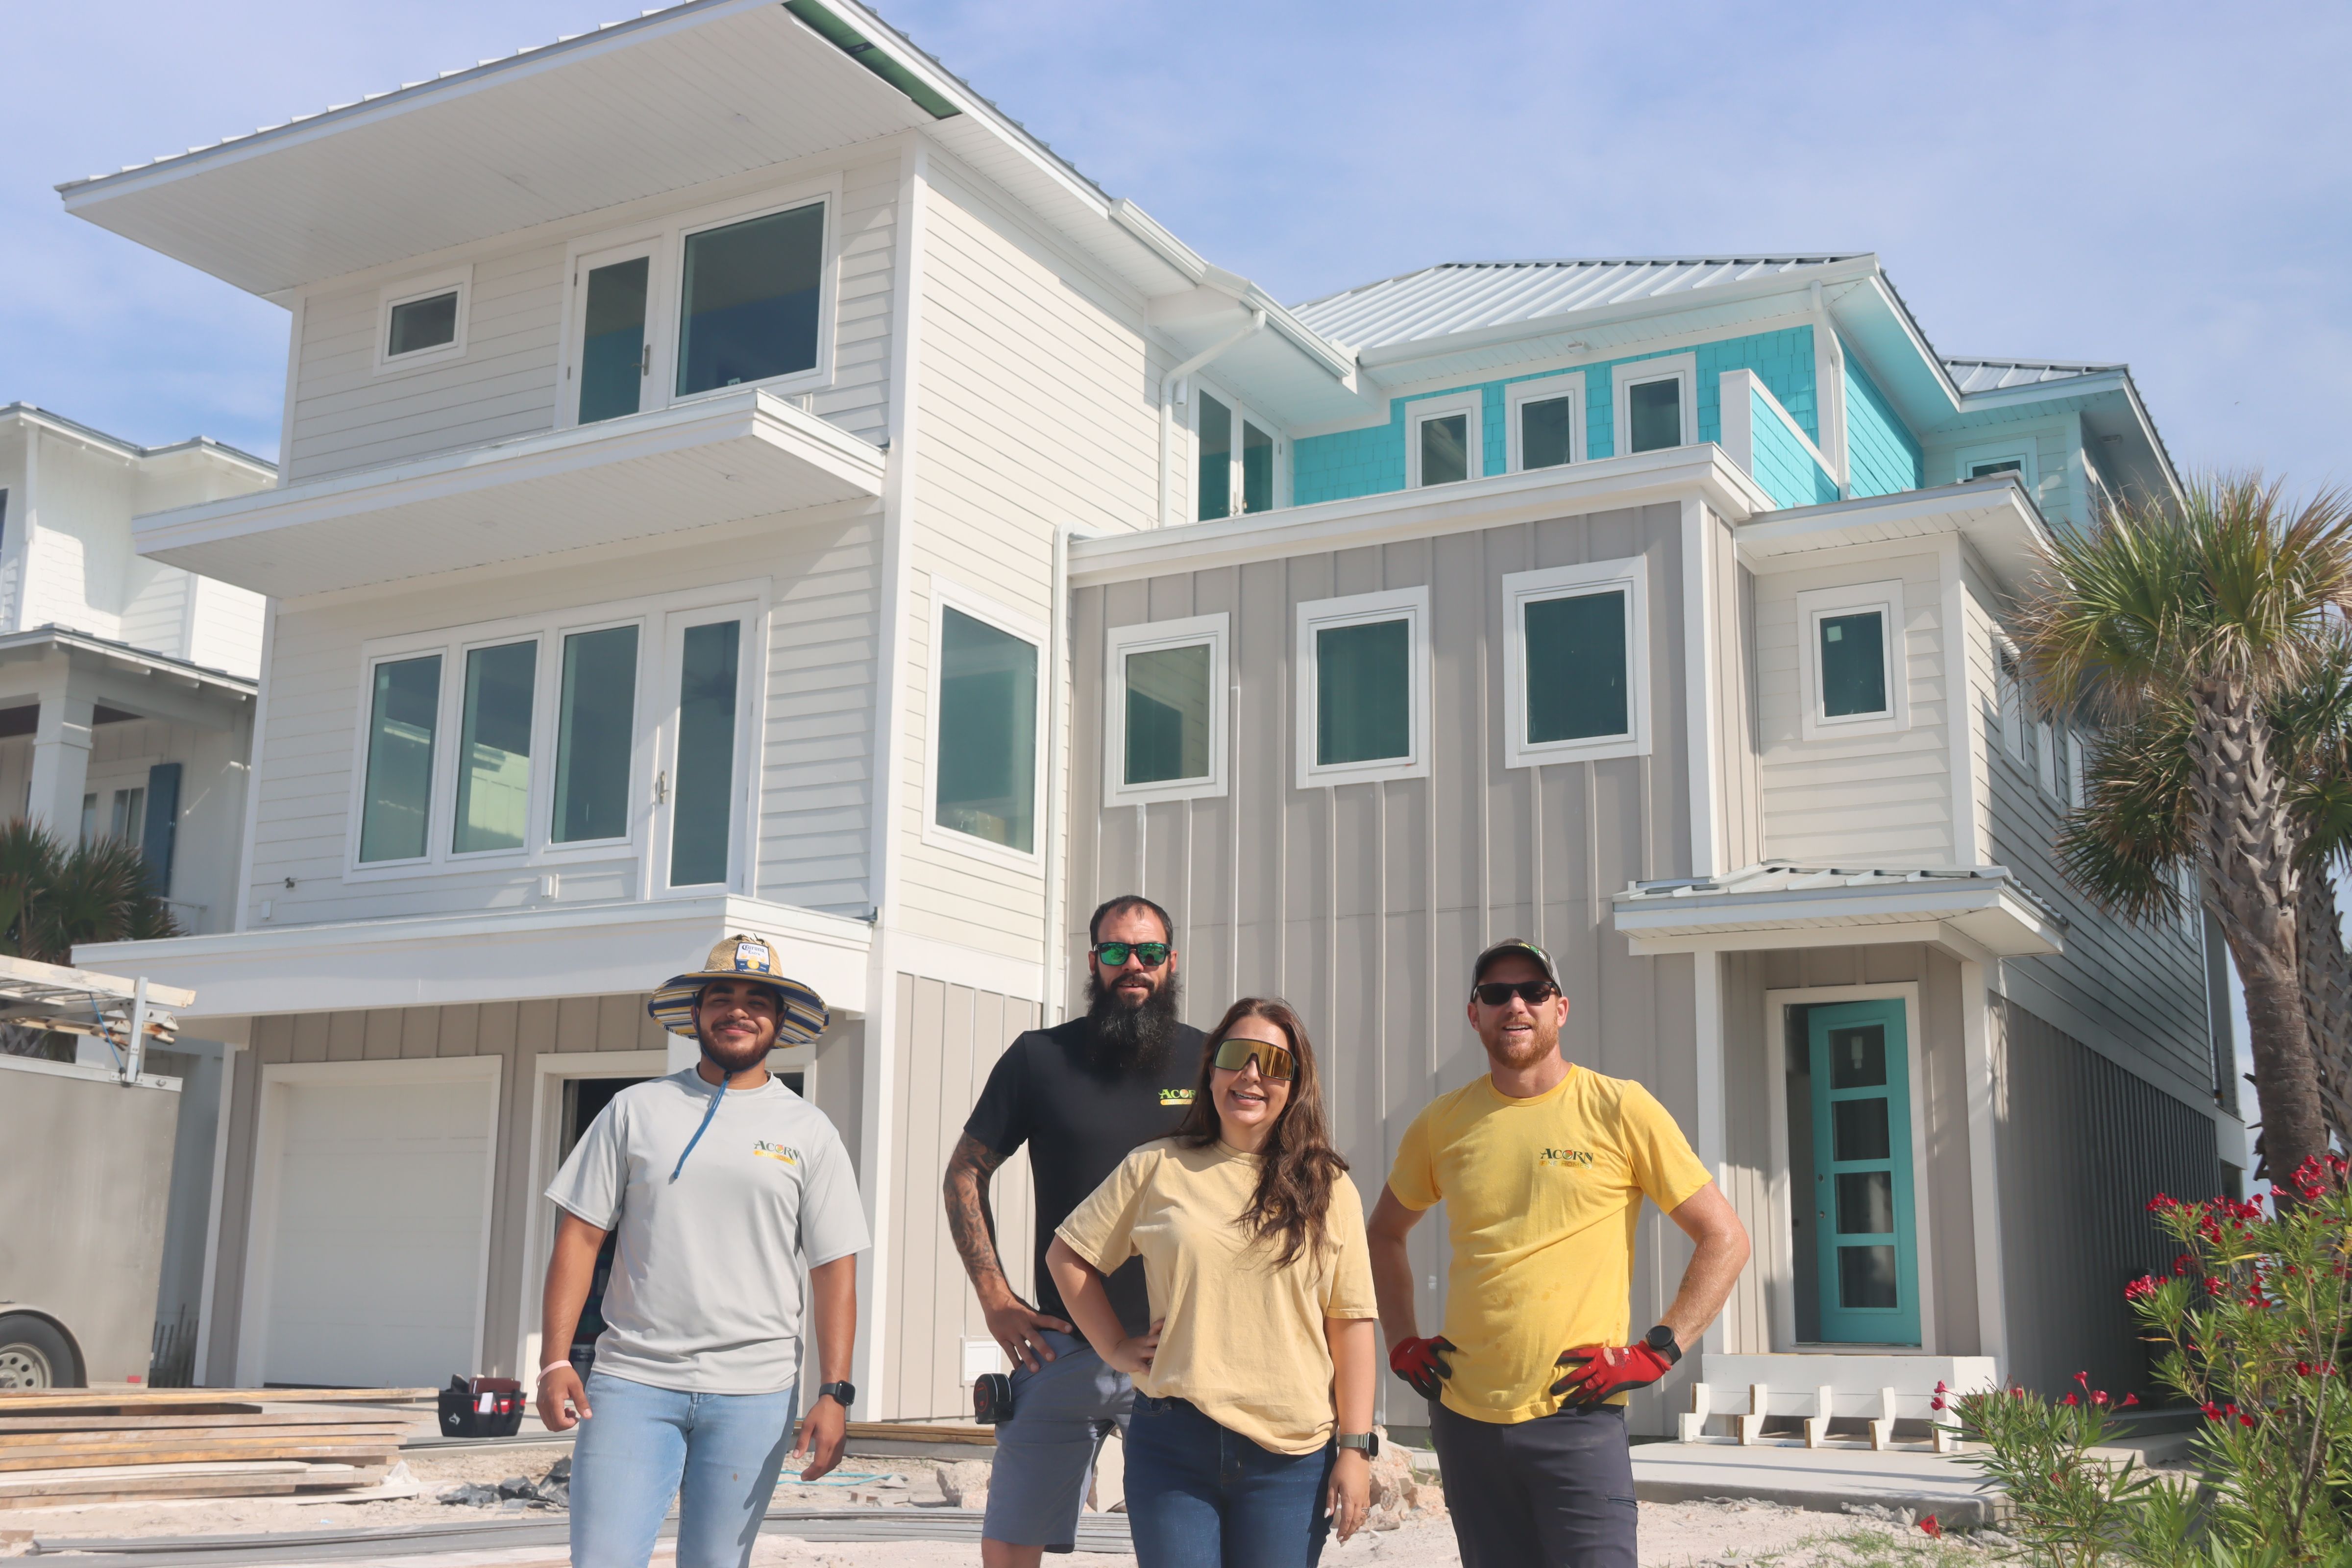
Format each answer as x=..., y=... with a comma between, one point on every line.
x=59, y=1446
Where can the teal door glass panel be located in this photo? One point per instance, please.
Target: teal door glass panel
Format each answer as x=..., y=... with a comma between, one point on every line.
x=595, y=727
x=1445, y=450
x=700, y=816
x=1363, y=692
x=1854, y=664
x=396, y=795
x=1168, y=706
x=749, y=309
x=494, y=748
x=1868, y=1255
x=1544, y=432
x=1575, y=678
x=613, y=341
x=1217, y=459
x=1257, y=468
x=1655, y=410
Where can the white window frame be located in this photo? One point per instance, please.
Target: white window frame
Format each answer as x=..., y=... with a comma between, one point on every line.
x=1422, y=410
x=1408, y=605
x=664, y=294
x=750, y=698
x=459, y=280
x=2077, y=793
x=1543, y=389
x=2047, y=737
x=948, y=594
x=1215, y=633
x=1243, y=413
x=1812, y=607
x=649, y=714
x=2019, y=451
x=1521, y=589
x=1630, y=373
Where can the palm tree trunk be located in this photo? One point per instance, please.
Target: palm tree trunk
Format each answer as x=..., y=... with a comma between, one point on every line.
x=2249, y=843
x=2326, y=969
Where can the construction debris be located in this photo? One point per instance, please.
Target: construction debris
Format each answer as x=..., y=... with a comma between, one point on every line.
x=87, y=1446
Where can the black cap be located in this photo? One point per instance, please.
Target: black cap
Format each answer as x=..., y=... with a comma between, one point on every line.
x=1513, y=947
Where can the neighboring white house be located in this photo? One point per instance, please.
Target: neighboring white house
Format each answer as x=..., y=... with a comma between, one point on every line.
x=735, y=478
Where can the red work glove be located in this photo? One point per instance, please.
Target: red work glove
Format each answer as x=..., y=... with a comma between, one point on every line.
x=1419, y=1363
x=1607, y=1371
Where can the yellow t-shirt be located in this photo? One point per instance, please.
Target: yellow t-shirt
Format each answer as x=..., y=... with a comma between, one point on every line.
x=1242, y=1340
x=1541, y=1199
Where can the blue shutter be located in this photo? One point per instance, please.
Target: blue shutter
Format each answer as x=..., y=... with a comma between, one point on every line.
x=162, y=830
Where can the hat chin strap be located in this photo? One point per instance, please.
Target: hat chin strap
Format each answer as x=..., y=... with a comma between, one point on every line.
x=699, y=1130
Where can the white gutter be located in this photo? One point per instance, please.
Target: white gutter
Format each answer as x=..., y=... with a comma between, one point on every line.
x=1168, y=410
x=1057, y=654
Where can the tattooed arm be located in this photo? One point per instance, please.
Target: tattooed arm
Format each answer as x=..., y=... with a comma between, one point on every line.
x=970, y=1221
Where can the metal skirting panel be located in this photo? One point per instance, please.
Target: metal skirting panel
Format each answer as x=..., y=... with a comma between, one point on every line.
x=2084, y=1145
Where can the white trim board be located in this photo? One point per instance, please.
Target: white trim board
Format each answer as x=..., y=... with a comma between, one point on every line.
x=1629, y=577
x=1469, y=408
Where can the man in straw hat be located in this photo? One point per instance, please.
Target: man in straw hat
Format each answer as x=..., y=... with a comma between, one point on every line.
x=723, y=1185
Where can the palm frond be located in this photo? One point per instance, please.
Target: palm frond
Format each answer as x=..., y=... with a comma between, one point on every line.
x=2137, y=828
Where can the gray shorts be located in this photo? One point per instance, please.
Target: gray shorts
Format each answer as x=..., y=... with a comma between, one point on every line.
x=1045, y=1454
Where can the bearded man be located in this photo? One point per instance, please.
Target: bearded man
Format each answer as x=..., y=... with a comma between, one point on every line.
x=1081, y=1096
x=724, y=1185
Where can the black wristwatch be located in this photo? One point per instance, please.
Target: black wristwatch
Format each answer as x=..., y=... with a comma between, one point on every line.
x=845, y=1393
x=1662, y=1340
x=1370, y=1442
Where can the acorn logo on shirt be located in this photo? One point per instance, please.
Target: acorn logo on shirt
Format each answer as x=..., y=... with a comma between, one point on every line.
x=767, y=1151
x=1175, y=1097
x=1561, y=1159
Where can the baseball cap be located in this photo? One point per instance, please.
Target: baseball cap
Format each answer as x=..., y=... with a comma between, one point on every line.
x=1513, y=947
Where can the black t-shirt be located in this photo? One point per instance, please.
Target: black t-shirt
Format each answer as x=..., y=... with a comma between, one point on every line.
x=1079, y=1121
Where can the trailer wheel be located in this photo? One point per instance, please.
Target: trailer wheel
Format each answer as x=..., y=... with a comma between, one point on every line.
x=34, y=1355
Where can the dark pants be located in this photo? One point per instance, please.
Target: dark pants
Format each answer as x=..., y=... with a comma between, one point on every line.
x=1556, y=1492
x=1200, y=1494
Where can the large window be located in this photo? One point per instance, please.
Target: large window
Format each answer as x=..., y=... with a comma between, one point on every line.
x=748, y=307
x=1442, y=440
x=1543, y=415
x=1237, y=453
x=615, y=355
x=1657, y=403
x=986, y=696
x=604, y=730
x=1165, y=722
x=1363, y=688
x=1575, y=681
x=1851, y=650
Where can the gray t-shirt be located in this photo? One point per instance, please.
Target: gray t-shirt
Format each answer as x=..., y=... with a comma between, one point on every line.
x=705, y=1293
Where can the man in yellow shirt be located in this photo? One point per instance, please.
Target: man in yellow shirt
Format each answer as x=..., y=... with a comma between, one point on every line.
x=1543, y=1165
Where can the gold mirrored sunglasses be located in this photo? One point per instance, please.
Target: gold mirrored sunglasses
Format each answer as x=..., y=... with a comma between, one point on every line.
x=1237, y=1052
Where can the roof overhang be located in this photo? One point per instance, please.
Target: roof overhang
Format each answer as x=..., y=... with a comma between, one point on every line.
x=730, y=456
x=1974, y=916
x=1676, y=474
x=2113, y=414
x=514, y=955
x=1286, y=369
x=126, y=679
x=1995, y=515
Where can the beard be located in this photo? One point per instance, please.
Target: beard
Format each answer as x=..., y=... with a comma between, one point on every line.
x=731, y=1061
x=1129, y=1036
x=1541, y=1043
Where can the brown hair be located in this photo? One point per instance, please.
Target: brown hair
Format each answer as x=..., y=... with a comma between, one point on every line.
x=1297, y=1165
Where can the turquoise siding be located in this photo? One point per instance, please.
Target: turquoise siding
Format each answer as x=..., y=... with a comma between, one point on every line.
x=1372, y=461
x=1881, y=457
x=1782, y=465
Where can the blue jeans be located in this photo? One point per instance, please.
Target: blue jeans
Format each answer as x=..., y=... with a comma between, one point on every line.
x=1199, y=1496
x=718, y=1454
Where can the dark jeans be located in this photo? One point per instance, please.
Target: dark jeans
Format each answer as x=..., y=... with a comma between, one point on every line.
x=1556, y=1492
x=1199, y=1496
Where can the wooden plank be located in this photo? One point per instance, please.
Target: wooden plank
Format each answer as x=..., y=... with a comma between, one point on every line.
x=206, y=1419
x=381, y=1433
x=201, y=1398
x=66, y=1459
x=914, y=1432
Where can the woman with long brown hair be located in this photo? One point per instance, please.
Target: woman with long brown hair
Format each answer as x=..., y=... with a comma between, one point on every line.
x=1252, y=1432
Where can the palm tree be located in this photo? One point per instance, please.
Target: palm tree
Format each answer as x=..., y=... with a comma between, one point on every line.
x=2190, y=616
x=53, y=899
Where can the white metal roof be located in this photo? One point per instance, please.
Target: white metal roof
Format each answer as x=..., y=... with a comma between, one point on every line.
x=2000, y=375
x=1760, y=907
x=1461, y=296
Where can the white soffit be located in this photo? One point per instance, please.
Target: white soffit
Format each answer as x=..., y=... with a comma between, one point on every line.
x=1975, y=375
x=1994, y=515
x=736, y=456
x=1767, y=906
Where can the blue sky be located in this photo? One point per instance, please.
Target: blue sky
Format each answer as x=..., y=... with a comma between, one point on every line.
x=2160, y=184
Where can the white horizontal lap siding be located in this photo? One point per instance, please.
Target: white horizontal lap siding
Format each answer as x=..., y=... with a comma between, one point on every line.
x=79, y=554
x=1983, y=693
x=156, y=617
x=816, y=772
x=1876, y=799
x=225, y=632
x=858, y=400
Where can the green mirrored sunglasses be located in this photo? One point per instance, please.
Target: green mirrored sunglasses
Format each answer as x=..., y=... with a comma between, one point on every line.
x=1112, y=954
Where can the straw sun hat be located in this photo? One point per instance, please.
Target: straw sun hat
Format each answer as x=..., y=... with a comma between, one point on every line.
x=799, y=1018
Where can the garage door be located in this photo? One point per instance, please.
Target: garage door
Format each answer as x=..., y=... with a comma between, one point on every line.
x=375, y=1270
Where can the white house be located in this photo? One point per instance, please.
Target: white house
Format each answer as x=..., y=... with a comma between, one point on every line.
x=736, y=478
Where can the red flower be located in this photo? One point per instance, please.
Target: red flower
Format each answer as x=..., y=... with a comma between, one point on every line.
x=1936, y=1402
x=2181, y=1264
x=2140, y=1289
x=2212, y=1411
x=1929, y=1525
x=2129, y=1400
x=2215, y=1287
x=2160, y=1203
x=2071, y=1399
x=2303, y=1369
x=2083, y=1379
x=2246, y=1420
x=2100, y=1399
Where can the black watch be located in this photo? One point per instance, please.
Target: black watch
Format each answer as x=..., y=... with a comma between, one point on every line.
x=845, y=1393
x=1370, y=1442
x=1662, y=1340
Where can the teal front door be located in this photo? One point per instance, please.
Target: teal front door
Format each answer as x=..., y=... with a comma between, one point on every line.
x=1862, y=1173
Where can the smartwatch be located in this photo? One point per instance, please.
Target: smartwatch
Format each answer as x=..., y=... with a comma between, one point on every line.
x=843, y=1392
x=1662, y=1340
x=1370, y=1442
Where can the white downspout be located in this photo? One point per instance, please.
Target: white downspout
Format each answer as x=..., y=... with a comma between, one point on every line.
x=1057, y=653
x=1168, y=411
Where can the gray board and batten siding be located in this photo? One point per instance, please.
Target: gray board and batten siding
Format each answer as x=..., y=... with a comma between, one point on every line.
x=1364, y=903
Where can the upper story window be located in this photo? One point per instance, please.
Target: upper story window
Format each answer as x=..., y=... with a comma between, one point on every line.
x=1982, y=462
x=1575, y=683
x=1545, y=431
x=613, y=730
x=1165, y=718
x=1237, y=452
x=422, y=320
x=1851, y=649
x=987, y=708
x=725, y=297
x=1363, y=688
x=1442, y=440
x=1657, y=403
